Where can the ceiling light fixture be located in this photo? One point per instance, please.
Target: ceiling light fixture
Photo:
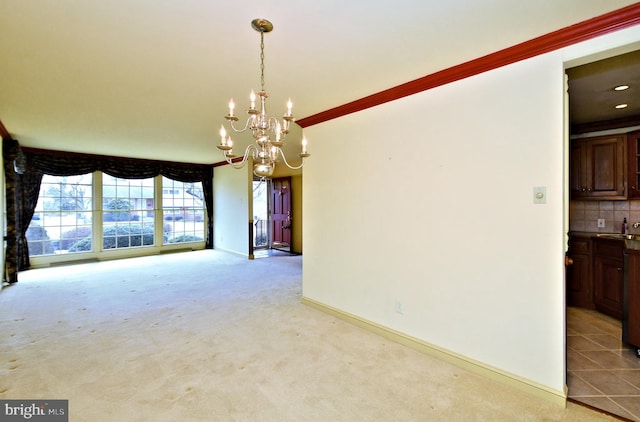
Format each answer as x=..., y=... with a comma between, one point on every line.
x=268, y=132
x=621, y=87
x=622, y=106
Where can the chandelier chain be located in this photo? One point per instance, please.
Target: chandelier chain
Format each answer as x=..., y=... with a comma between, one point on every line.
x=262, y=59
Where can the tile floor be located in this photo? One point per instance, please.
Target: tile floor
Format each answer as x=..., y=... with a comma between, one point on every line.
x=602, y=371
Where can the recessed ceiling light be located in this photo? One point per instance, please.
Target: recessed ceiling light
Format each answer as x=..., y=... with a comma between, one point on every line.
x=621, y=87
x=622, y=106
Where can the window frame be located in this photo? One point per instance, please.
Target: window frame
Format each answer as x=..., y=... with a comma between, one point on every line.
x=98, y=253
x=184, y=220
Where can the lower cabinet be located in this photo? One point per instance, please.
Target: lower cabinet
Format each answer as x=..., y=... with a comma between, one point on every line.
x=608, y=276
x=579, y=279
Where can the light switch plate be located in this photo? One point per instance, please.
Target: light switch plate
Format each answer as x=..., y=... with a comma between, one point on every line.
x=540, y=195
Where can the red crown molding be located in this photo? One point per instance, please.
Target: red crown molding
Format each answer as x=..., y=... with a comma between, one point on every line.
x=4, y=133
x=614, y=21
x=224, y=163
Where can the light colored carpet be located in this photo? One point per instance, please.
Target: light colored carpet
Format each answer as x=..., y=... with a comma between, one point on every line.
x=208, y=336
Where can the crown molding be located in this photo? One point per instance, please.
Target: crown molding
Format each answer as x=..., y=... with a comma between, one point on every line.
x=604, y=24
x=4, y=133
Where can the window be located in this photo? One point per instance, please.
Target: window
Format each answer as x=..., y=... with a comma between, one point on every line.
x=62, y=219
x=131, y=216
x=127, y=212
x=183, y=209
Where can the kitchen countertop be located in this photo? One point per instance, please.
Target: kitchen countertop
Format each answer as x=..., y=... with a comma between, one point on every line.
x=631, y=241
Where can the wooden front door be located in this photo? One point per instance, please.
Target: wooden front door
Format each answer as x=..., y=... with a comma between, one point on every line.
x=281, y=212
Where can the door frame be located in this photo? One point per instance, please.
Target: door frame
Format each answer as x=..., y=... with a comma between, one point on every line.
x=589, y=58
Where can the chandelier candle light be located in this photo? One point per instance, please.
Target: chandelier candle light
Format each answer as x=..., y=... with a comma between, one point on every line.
x=268, y=132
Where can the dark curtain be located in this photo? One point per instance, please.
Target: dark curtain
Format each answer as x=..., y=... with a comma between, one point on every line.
x=27, y=191
x=9, y=153
x=58, y=163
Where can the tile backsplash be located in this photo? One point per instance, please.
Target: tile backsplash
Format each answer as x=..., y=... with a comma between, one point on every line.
x=584, y=215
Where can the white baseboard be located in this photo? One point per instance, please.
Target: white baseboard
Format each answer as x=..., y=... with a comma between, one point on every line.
x=232, y=252
x=476, y=367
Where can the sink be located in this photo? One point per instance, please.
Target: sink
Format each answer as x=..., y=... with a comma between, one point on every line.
x=617, y=236
x=631, y=241
x=632, y=245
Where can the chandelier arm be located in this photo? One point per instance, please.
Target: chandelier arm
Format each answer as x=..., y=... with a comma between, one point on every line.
x=245, y=157
x=284, y=159
x=246, y=126
x=273, y=122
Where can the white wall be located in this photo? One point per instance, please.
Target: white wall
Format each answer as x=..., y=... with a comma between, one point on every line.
x=232, y=193
x=428, y=201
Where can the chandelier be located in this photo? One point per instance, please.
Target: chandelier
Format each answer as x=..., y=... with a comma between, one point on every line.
x=268, y=132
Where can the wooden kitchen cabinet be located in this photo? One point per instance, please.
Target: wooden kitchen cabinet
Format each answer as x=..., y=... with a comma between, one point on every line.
x=579, y=279
x=598, y=168
x=608, y=276
x=633, y=163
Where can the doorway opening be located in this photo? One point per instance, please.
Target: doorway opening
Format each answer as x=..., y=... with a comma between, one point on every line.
x=261, y=214
x=272, y=216
x=599, y=362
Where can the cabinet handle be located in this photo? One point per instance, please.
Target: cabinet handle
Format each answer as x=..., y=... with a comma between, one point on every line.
x=620, y=269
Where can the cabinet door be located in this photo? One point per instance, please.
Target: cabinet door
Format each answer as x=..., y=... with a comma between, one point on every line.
x=579, y=281
x=598, y=168
x=578, y=169
x=633, y=159
x=605, y=167
x=608, y=277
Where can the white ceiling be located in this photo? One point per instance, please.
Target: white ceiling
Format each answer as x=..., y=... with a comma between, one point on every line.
x=152, y=78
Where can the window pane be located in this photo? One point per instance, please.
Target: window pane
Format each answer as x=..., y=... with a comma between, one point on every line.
x=127, y=217
x=183, y=210
x=62, y=219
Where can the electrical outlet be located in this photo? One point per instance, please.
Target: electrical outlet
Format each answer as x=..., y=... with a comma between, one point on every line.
x=601, y=223
x=399, y=307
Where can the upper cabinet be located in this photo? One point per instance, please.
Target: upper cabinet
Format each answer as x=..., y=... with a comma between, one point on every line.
x=598, y=168
x=633, y=161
